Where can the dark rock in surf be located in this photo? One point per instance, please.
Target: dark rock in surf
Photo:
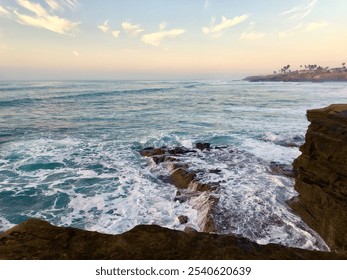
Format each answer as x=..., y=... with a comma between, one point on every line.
x=182, y=178
x=203, y=146
x=150, y=152
x=183, y=219
x=281, y=169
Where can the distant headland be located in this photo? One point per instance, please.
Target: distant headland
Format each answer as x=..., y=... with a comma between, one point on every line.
x=307, y=73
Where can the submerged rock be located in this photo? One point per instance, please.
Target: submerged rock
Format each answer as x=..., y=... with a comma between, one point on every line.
x=35, y=239
x=322, y=175
x=182, y=219
x=202, y=146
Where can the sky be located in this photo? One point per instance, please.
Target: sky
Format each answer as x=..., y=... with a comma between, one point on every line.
x=172, y=39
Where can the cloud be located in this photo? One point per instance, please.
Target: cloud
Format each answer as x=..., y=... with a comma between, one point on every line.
x=72, y=4
x=290, y=32
x=132, y=29
x=301, y=28
x=316, y=25
x=300, y=11
x=53, y=5
x=4, y=12
x=162, y=25
x=104, y=27
x=40, y=17
x=251, y=35
x=76, y=53
x=60, y=4
x=115, y=33
x=155, y=39
x=216, y=29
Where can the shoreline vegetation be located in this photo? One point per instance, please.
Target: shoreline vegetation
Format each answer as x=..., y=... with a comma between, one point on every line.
x=306, y=73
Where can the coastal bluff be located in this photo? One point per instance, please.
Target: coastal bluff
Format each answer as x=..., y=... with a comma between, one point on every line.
x=36, y=239
x=300, y=77
x=322, y=175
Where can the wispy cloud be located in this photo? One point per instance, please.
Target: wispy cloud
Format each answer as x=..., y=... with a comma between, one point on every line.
x=252, y=35
x=162, y=25
x=316, y=25
x=300, y=11
x=132, y=29
x=216, y=29
x=301, y=28
x=4, y=12
x=76, y=53
x=34, y=14
x=115, y=33
x=72, y=4
x=104, y=27
x=155, y=38
x=53, y=5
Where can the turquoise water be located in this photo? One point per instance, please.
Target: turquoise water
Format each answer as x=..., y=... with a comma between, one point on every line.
x=69, y=151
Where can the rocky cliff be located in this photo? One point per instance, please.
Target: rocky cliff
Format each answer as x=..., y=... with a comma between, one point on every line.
x=35, y=239
x=322, y=175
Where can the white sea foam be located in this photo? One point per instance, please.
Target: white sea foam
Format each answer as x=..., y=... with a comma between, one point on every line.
x=105, y=190
x=5, y=224
x=252, y=201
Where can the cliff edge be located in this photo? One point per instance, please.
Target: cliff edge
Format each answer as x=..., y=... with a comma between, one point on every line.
x=322, y=175
x=35, y=239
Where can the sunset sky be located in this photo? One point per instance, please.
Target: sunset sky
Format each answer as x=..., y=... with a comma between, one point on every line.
x=173, y=39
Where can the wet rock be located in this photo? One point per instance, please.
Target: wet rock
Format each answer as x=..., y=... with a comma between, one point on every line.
x=38, y=240
x=180, y=151
x=199, y=194
x=322, y=175
x=215, y=171
x=183, y=219
x=195, y=185
x=281, y=169
x=181, y=197
x=202, y=146
x=181, y=178
x=150, y=152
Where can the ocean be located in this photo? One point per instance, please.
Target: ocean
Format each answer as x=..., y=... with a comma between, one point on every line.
x=69, y=152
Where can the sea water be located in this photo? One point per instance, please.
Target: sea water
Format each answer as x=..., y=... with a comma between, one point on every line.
x=69, y=152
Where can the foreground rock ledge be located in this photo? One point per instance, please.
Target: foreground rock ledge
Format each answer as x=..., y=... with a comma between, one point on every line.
x=322, y=175
x=36, y=239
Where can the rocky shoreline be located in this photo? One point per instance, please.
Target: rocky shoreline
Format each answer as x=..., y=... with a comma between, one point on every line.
x=321, y=180
x=300, y=77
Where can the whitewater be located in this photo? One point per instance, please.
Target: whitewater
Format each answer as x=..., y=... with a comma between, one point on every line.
x=69, y=152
